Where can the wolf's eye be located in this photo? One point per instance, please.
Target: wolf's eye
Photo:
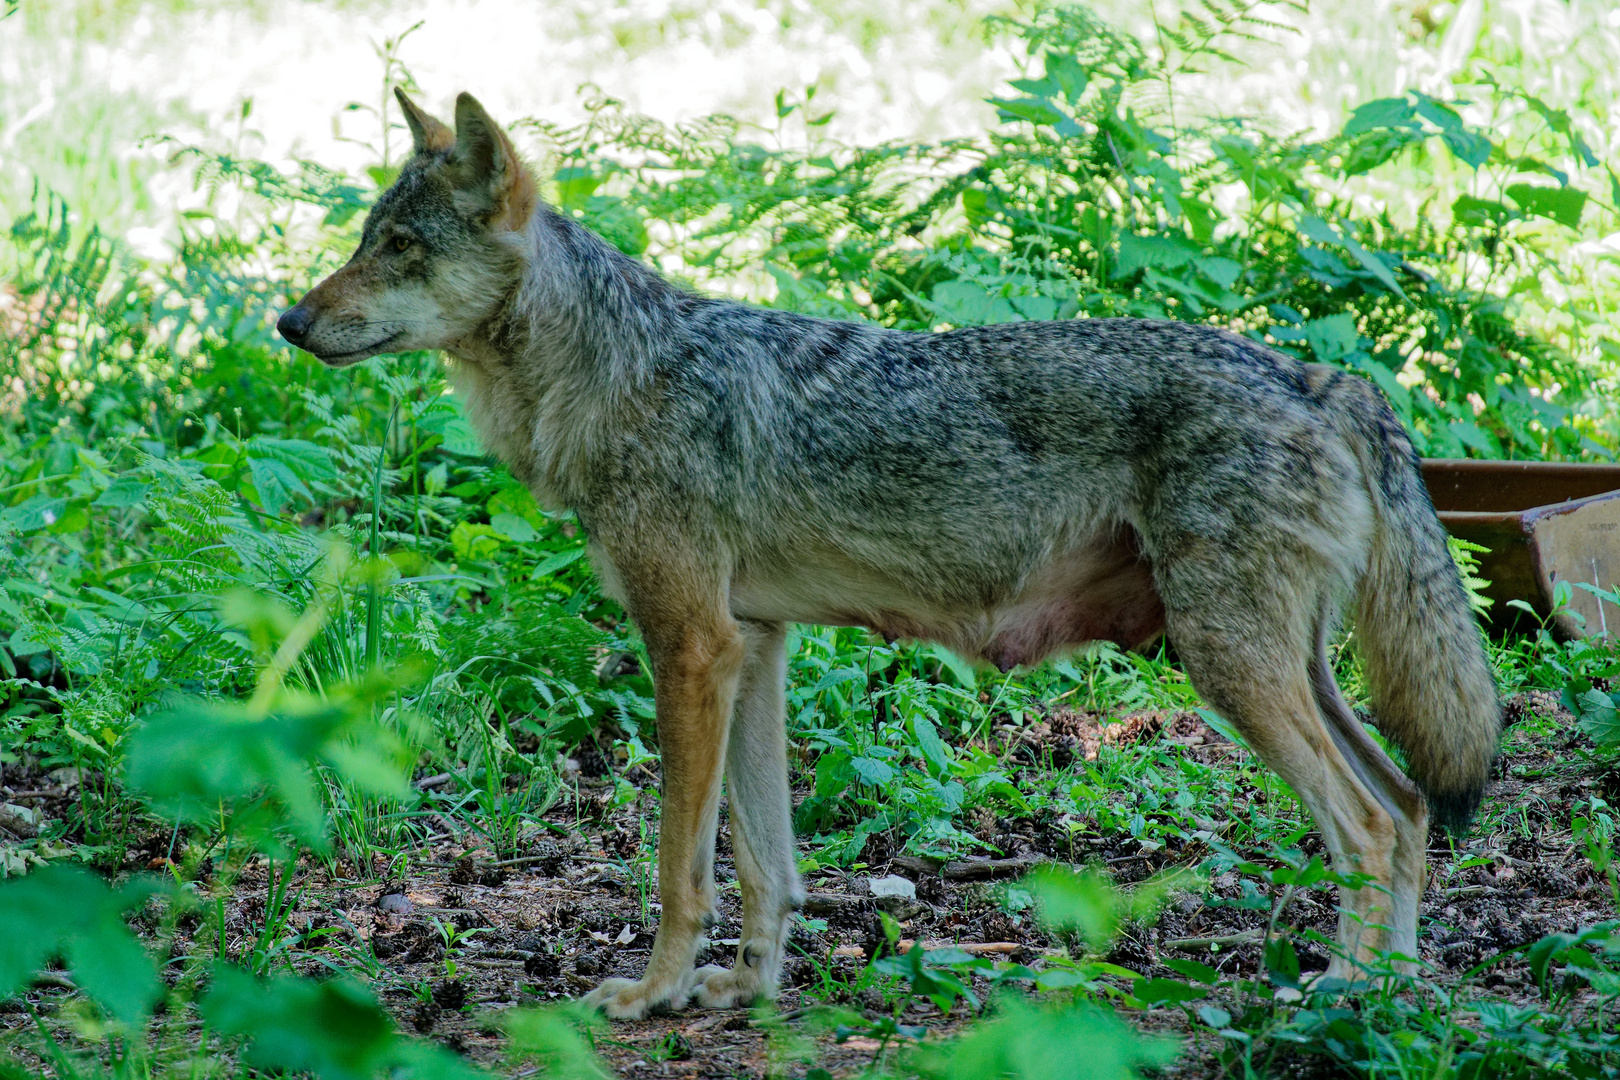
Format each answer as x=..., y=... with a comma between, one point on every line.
x=402, y=243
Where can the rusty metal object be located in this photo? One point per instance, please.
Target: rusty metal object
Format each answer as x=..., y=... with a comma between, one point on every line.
x=1544, y=522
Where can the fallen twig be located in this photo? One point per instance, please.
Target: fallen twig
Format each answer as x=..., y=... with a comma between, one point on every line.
x=968, y=869
x=1212, y=944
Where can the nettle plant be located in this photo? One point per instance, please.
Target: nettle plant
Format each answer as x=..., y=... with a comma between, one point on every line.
x=1089, y=199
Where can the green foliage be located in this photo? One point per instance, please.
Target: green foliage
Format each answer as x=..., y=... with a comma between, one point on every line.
x=192, y=758
x=248, y=599
x=197, y=754
x=1466, y=556
x=332, y=1029
x=68, y=912
x=1597, y=710
x=1027, y=1042
x=1021, y=1039
x=1089, y=201
x=553, y=1038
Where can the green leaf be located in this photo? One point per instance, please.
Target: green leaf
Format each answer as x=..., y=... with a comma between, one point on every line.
x=1470, y=435
x=1161, y=252
x=967, y=303
x=192, y=758
x=552, y=1037
x=1381, y=113
x=452, y=425
x=37, y=512
x=1067, y=73
x=1480, y=213
x=75, y=516
x=574, y=186
x=1373, y=149
x=283, y=468
x=514, y=499
x=113, y=967
x=1468, y=145
x=960, y=669
x=1086, y=903
x=1033, y=110
x=308, y=460
x=1282, y=963
x=1222, y=726
x=1165, y=991
x=1599, y=719
x=1560, y=204
x=333, y=1029
x=932, y=746
x=976, y=206
x=1219, y=269
x=872, y=771
x=1043, y=88
x=1332, y=338
x=1201, y=218
x=1028, y=1042
x=122, y=492
x=68, y=911
x=1323, y=233
x=1193, y=970
x=513, y=527
x=556, y=561
x=474, y=541
x=1558, y=120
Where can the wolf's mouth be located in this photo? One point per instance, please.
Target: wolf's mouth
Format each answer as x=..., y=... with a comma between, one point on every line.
x=359, y=354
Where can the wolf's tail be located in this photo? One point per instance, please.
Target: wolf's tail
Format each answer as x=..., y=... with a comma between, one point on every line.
x=1433, y=693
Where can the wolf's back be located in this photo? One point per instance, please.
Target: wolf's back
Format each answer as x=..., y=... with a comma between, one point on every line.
x=1433, y=693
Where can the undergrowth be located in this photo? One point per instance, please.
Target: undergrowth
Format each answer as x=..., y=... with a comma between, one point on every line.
x=256, y=606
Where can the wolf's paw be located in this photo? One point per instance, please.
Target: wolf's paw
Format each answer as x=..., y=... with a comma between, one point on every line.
x=727, y=988
x=628, y=999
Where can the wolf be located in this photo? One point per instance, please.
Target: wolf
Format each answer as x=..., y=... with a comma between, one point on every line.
x=1007, y=491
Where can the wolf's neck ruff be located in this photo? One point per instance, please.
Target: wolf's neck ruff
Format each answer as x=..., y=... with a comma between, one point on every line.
x=574, y=346
x=1007, y=490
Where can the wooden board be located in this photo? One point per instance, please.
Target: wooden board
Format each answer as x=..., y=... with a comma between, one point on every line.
x=1544, y=522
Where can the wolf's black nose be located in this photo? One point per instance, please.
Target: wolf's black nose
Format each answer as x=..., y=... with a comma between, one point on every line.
x=294, y=325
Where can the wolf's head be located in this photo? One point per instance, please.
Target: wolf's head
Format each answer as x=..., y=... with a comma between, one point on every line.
x=438, y=253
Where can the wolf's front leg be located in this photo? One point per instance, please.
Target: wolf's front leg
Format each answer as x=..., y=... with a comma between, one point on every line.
x=695, y=669
x=761, y=826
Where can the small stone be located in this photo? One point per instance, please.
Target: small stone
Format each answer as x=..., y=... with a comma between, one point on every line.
x=68, y=778
x=900, y=907
x=894, y=885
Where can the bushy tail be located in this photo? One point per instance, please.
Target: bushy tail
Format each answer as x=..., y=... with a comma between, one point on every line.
x=1433, y=693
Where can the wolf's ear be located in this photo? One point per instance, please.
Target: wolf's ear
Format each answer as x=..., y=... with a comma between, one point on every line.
x=487, y=170
x=430, y=135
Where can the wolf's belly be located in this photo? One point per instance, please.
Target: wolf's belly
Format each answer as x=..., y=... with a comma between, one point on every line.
x=1099, y=591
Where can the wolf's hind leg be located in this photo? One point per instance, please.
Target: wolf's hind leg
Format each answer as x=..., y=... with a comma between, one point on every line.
x=1394, y=791
x=761, y=826
x=1258, y=679
x=695, y=672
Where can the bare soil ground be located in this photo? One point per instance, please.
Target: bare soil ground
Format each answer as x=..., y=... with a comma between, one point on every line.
x=575, y=909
